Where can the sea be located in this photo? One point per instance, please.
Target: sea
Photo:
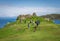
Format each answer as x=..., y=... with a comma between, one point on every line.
x=4, y=21
x=56, y=21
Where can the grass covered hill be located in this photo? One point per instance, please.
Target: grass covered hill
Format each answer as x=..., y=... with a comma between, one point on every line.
x=18, y=31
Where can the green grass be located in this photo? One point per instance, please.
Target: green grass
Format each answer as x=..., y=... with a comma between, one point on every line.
x=16, y=31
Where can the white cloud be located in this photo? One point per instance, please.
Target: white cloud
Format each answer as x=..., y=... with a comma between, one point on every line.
x=10, y=11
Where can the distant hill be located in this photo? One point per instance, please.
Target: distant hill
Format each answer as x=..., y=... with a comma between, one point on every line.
x=52, y=16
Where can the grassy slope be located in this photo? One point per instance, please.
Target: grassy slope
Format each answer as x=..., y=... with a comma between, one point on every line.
x=19, y=32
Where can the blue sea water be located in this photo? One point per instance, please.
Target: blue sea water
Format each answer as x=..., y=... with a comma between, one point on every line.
x=3, y=21
x=56, y=21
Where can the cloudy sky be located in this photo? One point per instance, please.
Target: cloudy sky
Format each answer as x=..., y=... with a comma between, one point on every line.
x=13, y=8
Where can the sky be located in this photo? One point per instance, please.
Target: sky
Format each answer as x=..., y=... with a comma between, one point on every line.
x=14, y=8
